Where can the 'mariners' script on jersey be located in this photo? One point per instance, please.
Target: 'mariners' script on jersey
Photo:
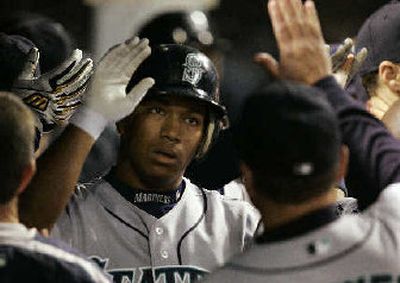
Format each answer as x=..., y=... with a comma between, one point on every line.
x=149, y=197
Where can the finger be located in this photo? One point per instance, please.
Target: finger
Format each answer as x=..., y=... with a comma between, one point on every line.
x=143, y=51
x=341, y=54
x=70, y=97
x=269, y=64
x=291, y=11
x=116, y=54
x=359, y=60
x=82, y=70
x=32, y=62
x=327, y=49
x=74, y=86
x=347, y=65
x=55, y=75
x=135, y=96
x=278, y=23
x=311, y=16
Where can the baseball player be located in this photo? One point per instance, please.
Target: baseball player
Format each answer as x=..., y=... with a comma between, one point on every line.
x=306, y=242
x=380, y=72
x=25, y=256
x=144, y=221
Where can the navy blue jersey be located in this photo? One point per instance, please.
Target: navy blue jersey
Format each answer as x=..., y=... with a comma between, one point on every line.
x=25, y=256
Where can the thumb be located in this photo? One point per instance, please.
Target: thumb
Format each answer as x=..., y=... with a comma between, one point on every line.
x=136, y=95
x=31, y=64
x=270, y=65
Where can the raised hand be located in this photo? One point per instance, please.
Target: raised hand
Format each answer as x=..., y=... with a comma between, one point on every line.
x=297, y=30
x=345, y=64
x=55, y=95
x=107, y=100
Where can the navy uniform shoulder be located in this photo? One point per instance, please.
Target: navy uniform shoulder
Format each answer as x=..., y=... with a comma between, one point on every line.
x=45, y=260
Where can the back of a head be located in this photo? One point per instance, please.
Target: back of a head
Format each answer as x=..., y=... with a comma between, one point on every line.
x=16, y=143
x=380, y=34
x=14, y=51
x=183, y=27
x=288, y=135
x=51, y=38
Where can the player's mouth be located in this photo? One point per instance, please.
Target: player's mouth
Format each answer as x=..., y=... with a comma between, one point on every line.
x=165, y=156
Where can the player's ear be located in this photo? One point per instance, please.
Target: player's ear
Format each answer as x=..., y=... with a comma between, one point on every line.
x=27, y=173
x=247, y=179
x=343, y=163
x=120, y=127
x=389, y=74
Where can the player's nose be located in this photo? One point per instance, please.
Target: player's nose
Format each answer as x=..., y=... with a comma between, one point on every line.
x=171, y=128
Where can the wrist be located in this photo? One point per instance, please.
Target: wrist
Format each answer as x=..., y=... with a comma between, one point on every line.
x=90, y=121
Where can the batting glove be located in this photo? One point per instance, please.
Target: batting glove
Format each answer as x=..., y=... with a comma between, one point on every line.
x=345, y=64
x=56, y=94
x=107, y=101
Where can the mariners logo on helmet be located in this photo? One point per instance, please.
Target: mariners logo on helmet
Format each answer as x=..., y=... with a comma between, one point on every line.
x=193, y=69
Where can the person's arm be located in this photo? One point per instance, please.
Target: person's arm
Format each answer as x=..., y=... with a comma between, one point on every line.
x=58, y=171
x=106, y=102
x=374, y=152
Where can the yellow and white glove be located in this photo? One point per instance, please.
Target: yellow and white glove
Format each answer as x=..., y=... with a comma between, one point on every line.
x=106, y=101
x=54, y=95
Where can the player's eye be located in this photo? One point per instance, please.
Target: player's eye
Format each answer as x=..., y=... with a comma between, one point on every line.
x=192, y=121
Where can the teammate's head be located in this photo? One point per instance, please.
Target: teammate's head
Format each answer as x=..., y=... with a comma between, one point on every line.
x=50, y=37
x=16, y=146
x=14, y=50
x=288, y=136
x=190, y=28
x=185, y=98
x=380, y=34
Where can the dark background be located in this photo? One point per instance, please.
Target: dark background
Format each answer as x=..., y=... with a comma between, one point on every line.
x=244, y=24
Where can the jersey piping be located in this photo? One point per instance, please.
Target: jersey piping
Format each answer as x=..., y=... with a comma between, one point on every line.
x=193, y=227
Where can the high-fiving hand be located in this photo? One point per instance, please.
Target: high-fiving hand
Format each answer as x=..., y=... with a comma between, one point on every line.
x=297, y=30
x=56, y=94
x=107, y=101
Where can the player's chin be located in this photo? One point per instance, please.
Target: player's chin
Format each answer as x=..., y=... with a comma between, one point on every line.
x=166, y=169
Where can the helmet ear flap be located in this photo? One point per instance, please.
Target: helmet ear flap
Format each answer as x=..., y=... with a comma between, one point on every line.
x=211, y=134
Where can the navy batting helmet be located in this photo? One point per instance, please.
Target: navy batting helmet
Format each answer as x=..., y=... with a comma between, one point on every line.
x=184, y=71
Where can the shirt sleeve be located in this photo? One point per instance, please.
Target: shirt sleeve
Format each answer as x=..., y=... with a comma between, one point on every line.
x=374, y=152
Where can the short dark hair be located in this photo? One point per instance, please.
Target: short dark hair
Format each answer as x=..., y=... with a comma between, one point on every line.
x=14, y=50
x=16, y=143
x=49, y=36
x=289, y=136
x=370, y=82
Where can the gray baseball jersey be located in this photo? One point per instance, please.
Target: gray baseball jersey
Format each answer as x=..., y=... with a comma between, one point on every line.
x=359, y=248
x=200, y=233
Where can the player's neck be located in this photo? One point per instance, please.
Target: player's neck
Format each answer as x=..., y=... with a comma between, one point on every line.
x=9, y=212
x=125, y=173
x=275, y=215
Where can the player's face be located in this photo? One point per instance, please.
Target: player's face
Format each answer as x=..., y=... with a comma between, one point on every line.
x=163, y=137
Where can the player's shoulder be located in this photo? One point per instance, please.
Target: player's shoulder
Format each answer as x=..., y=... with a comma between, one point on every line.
x=46, y=256
x=387, y=203
x=84, y=190
x=220, y=202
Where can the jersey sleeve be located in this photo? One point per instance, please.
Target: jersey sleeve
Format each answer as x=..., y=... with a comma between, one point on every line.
x=374, y=152
x=67, y=227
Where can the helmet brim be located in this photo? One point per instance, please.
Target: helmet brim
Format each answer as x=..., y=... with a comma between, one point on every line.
x=192, y=93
